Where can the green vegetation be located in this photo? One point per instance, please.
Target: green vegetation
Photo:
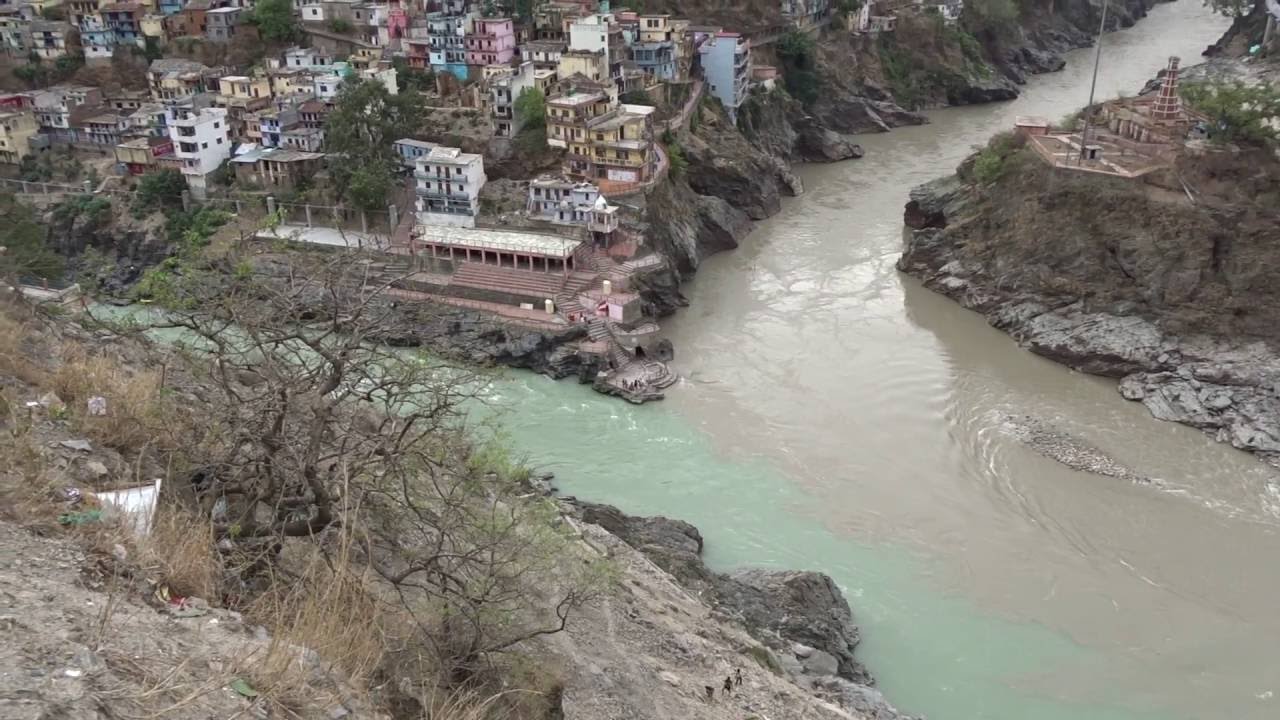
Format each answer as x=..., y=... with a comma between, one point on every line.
x=797, y=56
x=52, y=166
x=341, y=26
x=96, y=211
x=1237, y=112
x=636, y=97
x=675, y=154
x=411, y=78
x=165, y=283
x=159, y=190
x=275, y=21
x=23, y=237
x=764, y=659
x=989, y=166
x=359, y=133
x=531, y=108
x=995, y=18
x=38, y=73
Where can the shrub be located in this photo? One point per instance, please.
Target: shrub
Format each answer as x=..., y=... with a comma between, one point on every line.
x=1237, y=112
x=989, y=166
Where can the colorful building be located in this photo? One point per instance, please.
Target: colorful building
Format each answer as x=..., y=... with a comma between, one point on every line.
x=726, y=64
x=491, y=41
x=16, y=131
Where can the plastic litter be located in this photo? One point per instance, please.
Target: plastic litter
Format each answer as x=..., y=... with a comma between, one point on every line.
x=243, y=687
x=81, y=445
x=97, y=406
x=137, y=504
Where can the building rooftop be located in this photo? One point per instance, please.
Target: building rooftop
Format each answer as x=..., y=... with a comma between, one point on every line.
x=543, y=244
x=224, y=10
x=442, y=154
x=275, y=155
x=416, y=143
x=576, y=99
x=175, y=66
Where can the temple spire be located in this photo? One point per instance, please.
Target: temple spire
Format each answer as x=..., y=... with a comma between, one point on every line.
x=1168, y=106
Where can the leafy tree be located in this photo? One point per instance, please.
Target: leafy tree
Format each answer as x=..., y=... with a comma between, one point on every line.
x=1238, y=112
x=412, y=78
x=275, y=21
x=531, y=108
x=26, y=253
x=524, y=9
x=675, y=154
x=160, y=190
x=341, y=26
x=797, y=54
x=997, y=17
x=358, y=135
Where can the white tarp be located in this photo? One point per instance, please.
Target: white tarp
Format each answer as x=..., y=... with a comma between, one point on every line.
x=1273, y=7
x=136, y=504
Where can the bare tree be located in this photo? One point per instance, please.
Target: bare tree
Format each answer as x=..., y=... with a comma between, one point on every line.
x=317, y=427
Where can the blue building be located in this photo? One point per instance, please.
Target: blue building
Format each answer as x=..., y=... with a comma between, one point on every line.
x=655, y=58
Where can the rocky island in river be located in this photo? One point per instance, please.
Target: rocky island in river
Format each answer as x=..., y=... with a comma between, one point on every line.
x=1153, y=261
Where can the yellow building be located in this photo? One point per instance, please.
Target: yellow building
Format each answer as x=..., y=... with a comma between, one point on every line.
x=152, y=26
x=243, y=87
x=593, y=65
x=567, y=115
x=16, y=131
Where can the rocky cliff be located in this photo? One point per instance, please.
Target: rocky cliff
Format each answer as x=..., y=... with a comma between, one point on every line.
x=801, y=617
x=1177, y=298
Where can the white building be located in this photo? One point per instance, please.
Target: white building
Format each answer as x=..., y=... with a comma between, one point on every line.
x=448, y=183
x=307, y=59
x=565, y=202
x=200, y=141
x=726, y=62
x=504, y=90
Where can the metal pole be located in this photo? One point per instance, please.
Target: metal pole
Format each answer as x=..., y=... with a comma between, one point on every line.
x=1093, y=85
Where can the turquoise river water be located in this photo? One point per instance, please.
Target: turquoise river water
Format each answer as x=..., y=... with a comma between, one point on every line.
x=836, y=416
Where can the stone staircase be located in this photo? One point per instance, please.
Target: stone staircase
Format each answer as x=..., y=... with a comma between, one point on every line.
x=533, y=286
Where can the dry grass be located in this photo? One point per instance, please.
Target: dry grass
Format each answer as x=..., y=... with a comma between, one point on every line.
x=16, y=322
x=180, y=553
x=138, y=414
x=321, y=621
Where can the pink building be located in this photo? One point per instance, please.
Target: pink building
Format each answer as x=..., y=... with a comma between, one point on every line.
x=397, y=23
x=491, y=41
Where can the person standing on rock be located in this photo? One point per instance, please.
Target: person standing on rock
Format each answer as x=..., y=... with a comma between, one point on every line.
x=711, y=692
x=728, y=685
x=737, y=677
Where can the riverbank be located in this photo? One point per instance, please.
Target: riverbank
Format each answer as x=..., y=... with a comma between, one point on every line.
x=1129, y=279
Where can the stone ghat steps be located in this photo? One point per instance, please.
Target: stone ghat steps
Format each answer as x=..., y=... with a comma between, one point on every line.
x=517, y=282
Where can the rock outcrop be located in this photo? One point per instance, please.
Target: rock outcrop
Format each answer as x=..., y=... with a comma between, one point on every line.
x=1126, y=279
x=801, y=616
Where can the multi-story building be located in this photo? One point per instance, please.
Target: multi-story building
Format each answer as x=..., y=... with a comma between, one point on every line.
x=148, y=119
x=567, y=114
x=200, y=141
x=62, y=108
x=16, y=131
x=242, y=96
x=544, y=54
x=302, y=138
x=600, y=33
x=140, y=155
x=566, y=202
x=726, y=63
x=14, y=37
x=805, y=13
x=273, y=123
x=175, y=79
x=111, y=25
x=491, y=41
x=410, y=150
x=654, y=49
x=170, y=7
x=551, y=20
x=447, y=184
x=221, y=23
x=618, y=146
x=49, y=40
x=505, y=89
x=306, y=59
x=277, y=168
x=105, y=128
x=445, y=38
x=590, y=64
